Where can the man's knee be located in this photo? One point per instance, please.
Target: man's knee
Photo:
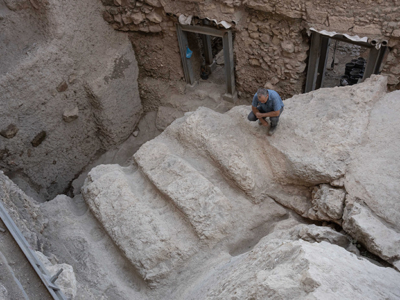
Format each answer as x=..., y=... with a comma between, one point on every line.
x=274, y=121
x=252, y=117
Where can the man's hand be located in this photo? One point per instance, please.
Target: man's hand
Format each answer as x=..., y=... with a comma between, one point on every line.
x=258, y=115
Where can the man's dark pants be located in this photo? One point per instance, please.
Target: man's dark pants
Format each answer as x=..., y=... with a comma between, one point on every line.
x=274, y=120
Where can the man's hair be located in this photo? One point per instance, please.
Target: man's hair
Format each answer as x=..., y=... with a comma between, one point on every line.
x=262, y=92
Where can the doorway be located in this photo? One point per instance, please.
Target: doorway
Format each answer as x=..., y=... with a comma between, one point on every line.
x=206, y=34
x=357, y=69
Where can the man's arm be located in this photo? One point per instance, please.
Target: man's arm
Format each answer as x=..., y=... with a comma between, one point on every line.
x=268, y=114
x=256, y=112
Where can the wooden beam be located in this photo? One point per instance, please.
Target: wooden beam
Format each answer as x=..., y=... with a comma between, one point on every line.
x=229, y=63
x=313, y=60
x=186, y=63
x=204, y=30
x=322, y=61
x=207, y=48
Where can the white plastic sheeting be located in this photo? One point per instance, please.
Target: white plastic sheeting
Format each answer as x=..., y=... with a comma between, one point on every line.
x=354, y=38
x=186, y=20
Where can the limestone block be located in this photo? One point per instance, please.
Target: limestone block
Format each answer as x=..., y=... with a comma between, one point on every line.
x=118, y=18
x=374, y=170
x=314, y=14
x=254, y=62
x=146, y=9
x=205, y=206
x=155, y=28
x=340, y=24
x=71, y=115
x=166, y=115
x=227, y=9
x=126, y=19
x=323, y=163
x=287, y=46
x=396, y=33
x=265, y=38
x=108, y=17
x=364, y=226
x=150, y=233
x=313, y=233
x=368, y=30
x=393, y=80
x=277, y=269
x=289, y=12
x=254, y=35
x=395, y=69
x=154, y=3
x=154, y=17
x=262, y=6
x=66, y=281
x=253, y=27
x=9, y=132
x=137, y=18
x=327, y=203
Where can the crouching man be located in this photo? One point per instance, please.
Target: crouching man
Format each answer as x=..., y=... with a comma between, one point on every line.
x=266, y=104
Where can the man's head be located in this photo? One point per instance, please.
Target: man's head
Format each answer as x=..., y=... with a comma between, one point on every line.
x=262, y=95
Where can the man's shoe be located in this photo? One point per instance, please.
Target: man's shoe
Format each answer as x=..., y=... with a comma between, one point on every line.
x=272, y=130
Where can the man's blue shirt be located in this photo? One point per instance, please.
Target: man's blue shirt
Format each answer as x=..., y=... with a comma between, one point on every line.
x=274, y=102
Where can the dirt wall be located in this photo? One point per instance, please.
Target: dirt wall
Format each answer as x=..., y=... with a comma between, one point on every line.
x=68, y=93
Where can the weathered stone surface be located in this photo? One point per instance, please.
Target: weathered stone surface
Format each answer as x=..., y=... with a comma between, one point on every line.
x=137, y=18
x=154, y=240
x=287, y=46
x=24, y=211
x=126, y=19
x=328, y=203
x=154, y=17
x=66, y=281
x=320, y=145
x=361, y=223
x=205, y=206
x=71, y=115
x=298, y=270
x=373, y=175
x=9, y=132
x=107, y=17
x=154, y=3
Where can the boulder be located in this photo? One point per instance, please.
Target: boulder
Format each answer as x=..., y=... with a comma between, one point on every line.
x=327, y=203
x=277, y=269
x=66, y=281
